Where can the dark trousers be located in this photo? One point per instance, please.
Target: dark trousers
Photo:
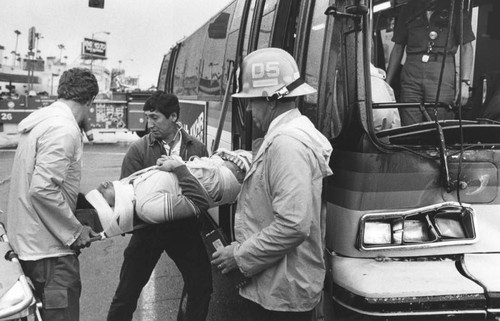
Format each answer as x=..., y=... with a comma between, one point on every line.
x=261, y=314
x=58, y=286
x=419, y=83
x=182, y=242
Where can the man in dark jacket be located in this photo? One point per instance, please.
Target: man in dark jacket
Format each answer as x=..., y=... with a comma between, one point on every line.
x=179, y=239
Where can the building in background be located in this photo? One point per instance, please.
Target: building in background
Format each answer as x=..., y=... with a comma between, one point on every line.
x=31, y=74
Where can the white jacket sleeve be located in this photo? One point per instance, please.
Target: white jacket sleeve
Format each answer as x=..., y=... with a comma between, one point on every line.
x=55, y=162
x=289, y=168
x=171, y=197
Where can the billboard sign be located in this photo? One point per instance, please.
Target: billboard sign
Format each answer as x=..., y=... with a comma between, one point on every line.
x=194, y=118
x=94, y=48
x=34, y=64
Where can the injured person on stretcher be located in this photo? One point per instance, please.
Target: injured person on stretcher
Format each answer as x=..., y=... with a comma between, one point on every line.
x=172, y=190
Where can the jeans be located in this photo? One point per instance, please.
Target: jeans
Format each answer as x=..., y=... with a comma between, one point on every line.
x=182, y=242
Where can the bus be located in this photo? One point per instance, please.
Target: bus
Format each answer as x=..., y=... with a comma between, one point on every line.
x=413, y=220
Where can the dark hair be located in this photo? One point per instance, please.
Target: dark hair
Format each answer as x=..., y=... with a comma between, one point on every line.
x=162, y=102
x=77, y=84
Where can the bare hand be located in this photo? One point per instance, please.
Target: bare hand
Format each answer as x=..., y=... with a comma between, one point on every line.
x=224, y=259
x=84, y=239
x=168, y=163
x=161, y=160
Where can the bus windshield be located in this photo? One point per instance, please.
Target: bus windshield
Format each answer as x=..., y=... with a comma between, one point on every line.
x=434, y=63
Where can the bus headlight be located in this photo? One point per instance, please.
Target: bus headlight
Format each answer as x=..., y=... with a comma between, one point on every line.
x=435, y=225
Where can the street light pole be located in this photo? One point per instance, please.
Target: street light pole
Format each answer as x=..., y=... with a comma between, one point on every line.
x=17, y=32
x=92, y=51
x=38, y=36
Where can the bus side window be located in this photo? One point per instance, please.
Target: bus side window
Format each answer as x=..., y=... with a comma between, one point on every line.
x=212, y=69
x=187, y=69
x=266, y=24
x=162, y=81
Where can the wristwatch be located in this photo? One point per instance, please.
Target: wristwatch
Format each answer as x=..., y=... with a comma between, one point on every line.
x=467, y=82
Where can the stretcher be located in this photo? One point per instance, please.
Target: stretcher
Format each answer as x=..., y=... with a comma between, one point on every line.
x=16, y=297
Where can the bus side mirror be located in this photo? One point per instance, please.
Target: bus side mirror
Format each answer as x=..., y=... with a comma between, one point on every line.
x=218, y=28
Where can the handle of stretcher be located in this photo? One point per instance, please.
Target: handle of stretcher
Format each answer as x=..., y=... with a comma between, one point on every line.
x=99, y=237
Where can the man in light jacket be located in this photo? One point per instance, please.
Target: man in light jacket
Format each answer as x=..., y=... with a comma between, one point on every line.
x=42, y=198
x=280, y=216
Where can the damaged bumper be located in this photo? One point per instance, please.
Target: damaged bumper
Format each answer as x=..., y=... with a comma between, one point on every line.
x=466, y=285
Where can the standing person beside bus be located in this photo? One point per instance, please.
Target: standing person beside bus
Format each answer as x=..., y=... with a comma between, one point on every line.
x=280, y=216
x=180, y=239
x=422, y=28
x=41, y=224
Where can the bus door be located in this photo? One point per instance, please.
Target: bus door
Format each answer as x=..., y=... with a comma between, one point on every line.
x=269, y=23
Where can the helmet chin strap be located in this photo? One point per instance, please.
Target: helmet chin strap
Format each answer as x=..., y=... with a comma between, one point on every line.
x=285, y=90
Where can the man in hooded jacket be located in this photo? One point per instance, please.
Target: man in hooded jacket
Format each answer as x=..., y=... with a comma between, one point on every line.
x=280, y=216
x=41, y=226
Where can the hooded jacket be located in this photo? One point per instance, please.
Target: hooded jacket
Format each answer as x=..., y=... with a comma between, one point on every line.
x=46, y=180
x=280, y=218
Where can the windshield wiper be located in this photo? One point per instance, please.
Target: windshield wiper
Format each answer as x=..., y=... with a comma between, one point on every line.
x=445, y=172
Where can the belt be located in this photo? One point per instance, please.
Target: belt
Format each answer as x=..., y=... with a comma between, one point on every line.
x=425, y=57
x=423, y=52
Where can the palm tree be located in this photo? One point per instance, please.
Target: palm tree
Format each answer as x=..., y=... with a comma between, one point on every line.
x=61, y=48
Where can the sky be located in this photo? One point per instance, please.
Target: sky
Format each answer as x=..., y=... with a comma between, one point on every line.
x=141, y=31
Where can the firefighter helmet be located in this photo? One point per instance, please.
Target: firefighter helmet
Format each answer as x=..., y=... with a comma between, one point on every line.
x=271, y=73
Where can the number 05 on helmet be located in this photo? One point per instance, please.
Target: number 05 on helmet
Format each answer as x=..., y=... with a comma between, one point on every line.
x=271, y=73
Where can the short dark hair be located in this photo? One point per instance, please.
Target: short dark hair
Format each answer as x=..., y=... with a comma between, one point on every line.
x=160, y=101
x=77, y=84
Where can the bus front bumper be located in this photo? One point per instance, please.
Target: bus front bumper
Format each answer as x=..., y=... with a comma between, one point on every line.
x=468, y=286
